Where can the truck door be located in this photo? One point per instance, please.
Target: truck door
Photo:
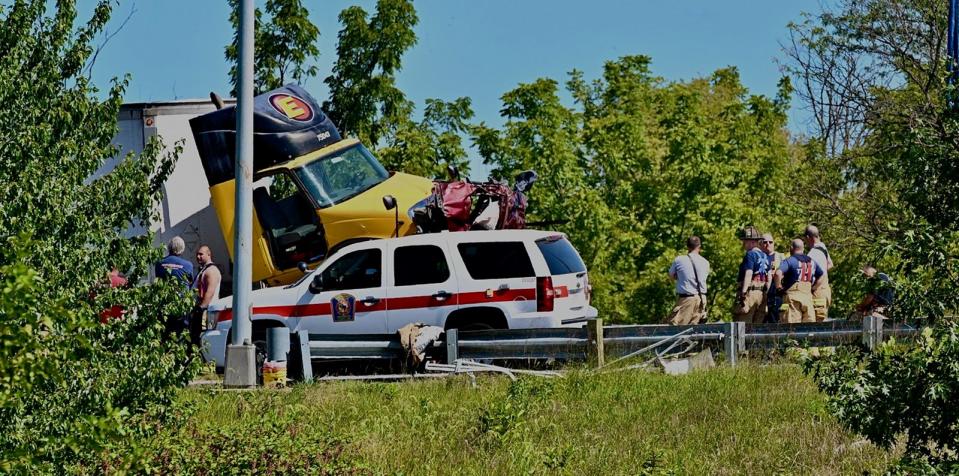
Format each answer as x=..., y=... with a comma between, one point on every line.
x=422, y=288
x=352, y=296
x=290, y=226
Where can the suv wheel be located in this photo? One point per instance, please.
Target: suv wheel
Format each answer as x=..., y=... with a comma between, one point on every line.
x=475, y=326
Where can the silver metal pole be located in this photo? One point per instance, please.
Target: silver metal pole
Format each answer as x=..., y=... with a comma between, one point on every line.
x=243, y=227
x=240, y=368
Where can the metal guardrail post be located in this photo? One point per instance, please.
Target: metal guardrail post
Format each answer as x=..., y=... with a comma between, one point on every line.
x=871, y=332
x=306, y=359
x=452, y=345
x=734, y=341
x=594, y=342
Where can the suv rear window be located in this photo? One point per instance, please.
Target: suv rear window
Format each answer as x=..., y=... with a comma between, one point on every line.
x=496, y=260
x=560, y=255
x=420, y=264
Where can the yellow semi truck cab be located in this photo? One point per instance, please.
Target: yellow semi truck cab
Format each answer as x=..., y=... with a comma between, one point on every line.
x=313, y=191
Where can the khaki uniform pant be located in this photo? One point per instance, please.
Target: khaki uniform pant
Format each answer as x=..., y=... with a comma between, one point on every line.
x=800, y=301
x=753, y=309
x=688, y=310
x=822, y=300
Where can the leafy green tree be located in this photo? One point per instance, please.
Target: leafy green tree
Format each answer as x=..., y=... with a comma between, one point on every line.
x=900, y=393
x=875, y=75
x=364, y=100
x=427, y=147
x=73, y=391
x=642, y=164
x=285, y=45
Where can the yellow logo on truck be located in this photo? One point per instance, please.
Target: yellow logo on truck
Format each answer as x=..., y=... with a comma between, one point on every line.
x=292, y=107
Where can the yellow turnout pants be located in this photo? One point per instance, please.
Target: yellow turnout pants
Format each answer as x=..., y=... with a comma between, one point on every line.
x=822, y=300
x=753, y=308
x=799, y=298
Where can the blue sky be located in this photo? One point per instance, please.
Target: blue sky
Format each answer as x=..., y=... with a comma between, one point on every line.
x=481, y=49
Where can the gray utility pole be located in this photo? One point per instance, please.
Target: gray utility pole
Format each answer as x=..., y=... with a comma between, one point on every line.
x=241, y=362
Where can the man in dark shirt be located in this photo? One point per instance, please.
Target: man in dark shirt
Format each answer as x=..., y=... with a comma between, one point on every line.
x=798, y=278
x=175, y=266
x=750, y=305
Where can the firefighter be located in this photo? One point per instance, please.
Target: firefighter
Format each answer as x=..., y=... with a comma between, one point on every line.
x=750, y=303
x=797, y=279
x=822, y=299
x=774, y=302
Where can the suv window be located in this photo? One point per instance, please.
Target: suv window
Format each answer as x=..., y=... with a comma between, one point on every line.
x=496, y=260
x=356, y=270
x=560, y=255
x=422, y=264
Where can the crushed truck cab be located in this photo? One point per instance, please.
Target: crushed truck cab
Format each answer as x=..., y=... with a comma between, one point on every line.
x=313, y=191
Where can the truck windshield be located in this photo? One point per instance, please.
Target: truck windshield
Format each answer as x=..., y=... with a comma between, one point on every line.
x=341, y=175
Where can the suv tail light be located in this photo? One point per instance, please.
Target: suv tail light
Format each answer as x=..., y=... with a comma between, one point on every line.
x=544, y=294
x=589, y=290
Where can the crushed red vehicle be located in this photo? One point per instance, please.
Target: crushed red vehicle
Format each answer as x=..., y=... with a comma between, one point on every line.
x=461, y=205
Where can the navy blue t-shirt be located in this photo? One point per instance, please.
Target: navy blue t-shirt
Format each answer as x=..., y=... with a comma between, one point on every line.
x=175, y=266
x=757, y=261
x=799, y=268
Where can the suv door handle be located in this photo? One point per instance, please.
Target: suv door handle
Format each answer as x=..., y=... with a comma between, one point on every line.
x=442, y=296
x=370, y=301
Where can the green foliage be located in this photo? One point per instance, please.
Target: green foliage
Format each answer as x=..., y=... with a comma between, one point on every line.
x=884, y=175
x=642, y=164
x=875, y=76
x=505, y=416
x=364, y=100
x=278, y=442
x=72, y=389
x=427, y=147
x=748, y=420
x=900, y=392
x=285, y=45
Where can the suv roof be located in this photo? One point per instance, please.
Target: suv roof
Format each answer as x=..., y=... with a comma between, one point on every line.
x=464, y=236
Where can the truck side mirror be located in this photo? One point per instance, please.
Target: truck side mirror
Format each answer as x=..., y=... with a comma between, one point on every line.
x=316, y=286
x=389, y=202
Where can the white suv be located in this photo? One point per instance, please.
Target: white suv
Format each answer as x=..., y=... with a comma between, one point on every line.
x=502, y=279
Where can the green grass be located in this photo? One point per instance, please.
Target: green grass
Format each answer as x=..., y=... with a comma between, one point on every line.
x=749, y=420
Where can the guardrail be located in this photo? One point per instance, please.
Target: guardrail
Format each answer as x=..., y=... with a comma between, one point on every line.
x=593, y=342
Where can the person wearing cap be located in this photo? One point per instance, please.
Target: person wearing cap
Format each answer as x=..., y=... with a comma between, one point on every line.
x=880, y=294
x=750, y=305
x=822, y=298
x=797, y=279
x=774, y=302
x=690, y=272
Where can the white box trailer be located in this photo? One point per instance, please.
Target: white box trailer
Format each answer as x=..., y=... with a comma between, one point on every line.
x=185, y=209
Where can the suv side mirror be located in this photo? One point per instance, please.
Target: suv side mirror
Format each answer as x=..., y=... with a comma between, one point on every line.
x=316, y=286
